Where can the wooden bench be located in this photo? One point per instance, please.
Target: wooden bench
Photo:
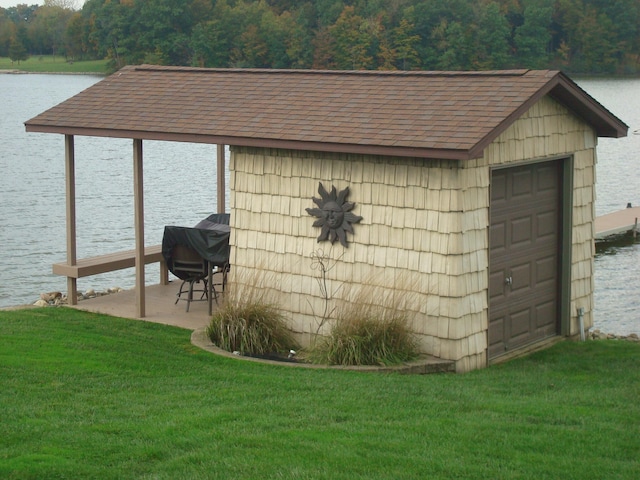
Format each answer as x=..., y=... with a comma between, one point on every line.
x=110, y=262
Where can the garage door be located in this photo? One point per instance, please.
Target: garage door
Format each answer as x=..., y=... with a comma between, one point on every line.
x=524, y=256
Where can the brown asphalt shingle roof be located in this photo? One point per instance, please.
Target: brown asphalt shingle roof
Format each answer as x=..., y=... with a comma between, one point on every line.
x=422, y=114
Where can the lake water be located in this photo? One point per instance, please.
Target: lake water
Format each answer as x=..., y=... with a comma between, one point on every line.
x=180, y=182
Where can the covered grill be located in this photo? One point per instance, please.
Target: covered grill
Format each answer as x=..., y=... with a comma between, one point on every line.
x=209, y=239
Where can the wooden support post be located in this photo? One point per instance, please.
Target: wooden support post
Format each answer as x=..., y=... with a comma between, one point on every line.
x=164, y=274
x=210, y=288
x=138, y=199
x=221, y=178
x=70, y=175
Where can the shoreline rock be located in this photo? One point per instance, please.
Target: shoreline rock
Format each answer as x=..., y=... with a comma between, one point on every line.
x=598, y=335
x=54, y=299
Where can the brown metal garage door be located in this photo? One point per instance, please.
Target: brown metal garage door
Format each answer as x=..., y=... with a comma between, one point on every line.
x=524, y=255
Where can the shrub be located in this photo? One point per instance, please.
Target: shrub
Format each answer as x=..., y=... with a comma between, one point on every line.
x=366, y=336
x=254, y=327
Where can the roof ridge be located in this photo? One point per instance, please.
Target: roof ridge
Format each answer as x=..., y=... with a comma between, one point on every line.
x=421, y=73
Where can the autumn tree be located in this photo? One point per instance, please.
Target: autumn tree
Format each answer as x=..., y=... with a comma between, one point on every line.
x=323, y=50
x=597, y=49
x=491, y=45
x=212, y=40
x=453, y=45
x=405, y=43
x=17, y=51
x=533, y=38
x=7, y=32
x=352, y=40
x=76, y=36
x=49, y=28
x=577, y=35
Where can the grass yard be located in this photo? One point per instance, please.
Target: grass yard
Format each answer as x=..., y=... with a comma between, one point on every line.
x=90, y=396
x=50, y=64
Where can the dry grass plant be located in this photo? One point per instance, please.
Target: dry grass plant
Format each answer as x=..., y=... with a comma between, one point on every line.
x=322, y=262
x=371, y=328
x=250, y=321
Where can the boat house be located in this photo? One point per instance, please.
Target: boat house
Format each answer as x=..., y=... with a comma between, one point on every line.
x=467, y=198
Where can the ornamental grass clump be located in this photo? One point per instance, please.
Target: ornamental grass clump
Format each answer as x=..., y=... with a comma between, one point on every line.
x=249, y=322
x=367, y=335
x=253, y=328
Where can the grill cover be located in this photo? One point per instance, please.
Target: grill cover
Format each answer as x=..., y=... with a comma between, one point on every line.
x=210, y=238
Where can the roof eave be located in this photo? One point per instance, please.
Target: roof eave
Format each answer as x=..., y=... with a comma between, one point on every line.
x=362, y=149
x=586, y=107
x=568, y=93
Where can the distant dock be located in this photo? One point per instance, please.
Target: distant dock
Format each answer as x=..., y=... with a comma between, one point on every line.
x=617, y=223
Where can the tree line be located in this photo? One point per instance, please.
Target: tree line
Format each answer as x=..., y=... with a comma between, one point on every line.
x=578, y=36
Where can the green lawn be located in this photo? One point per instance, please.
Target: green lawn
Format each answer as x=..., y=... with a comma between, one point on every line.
x=90, y=396
x=50, y=64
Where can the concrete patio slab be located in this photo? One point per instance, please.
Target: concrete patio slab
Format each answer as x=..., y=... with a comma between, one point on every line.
x=160, y=308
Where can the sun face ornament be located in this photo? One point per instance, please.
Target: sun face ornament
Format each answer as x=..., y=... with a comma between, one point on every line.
x=334, y=215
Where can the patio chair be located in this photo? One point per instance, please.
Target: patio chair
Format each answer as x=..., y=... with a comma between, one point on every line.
x=189, y=266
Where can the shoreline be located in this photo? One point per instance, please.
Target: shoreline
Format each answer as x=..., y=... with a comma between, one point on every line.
x=27, y=72
x=56, y=299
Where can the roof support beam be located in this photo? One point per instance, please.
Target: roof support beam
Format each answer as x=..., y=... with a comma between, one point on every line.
x=138, y=201
x=221, y=177
x=70, y=176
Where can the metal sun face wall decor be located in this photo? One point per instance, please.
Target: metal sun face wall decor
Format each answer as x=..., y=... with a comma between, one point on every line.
x=334, y=215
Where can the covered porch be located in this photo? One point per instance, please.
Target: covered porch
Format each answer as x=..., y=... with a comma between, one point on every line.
x=139, y=111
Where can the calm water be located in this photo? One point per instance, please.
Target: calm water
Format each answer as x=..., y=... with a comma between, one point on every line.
x=617, y=279
x=180, y=190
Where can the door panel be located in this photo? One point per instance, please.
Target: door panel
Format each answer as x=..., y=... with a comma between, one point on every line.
x=524, y=255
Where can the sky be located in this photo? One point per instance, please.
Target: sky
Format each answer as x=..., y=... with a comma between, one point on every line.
x=13, y=3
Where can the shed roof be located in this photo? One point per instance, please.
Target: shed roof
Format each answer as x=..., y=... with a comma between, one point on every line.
x=420, y=114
